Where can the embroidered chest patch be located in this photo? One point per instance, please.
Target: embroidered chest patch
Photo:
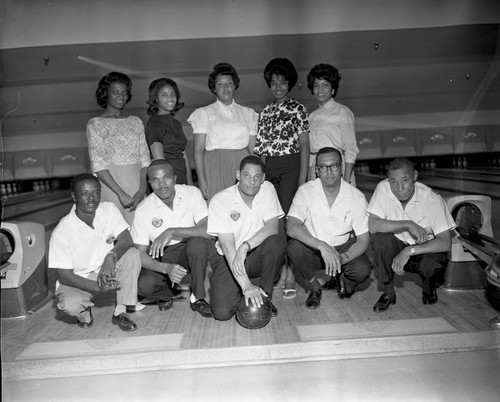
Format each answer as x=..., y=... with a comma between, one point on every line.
x=235, y=215
x=157, y=222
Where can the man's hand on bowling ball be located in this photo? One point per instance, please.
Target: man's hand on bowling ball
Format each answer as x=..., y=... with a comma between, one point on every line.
x=417, y=232
x=253, y=294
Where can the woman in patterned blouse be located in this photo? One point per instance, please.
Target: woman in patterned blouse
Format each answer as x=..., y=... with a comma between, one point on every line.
x=332, y=124
x=283, y=142
x=164, y=132
x=223, y=133
x=118, y=150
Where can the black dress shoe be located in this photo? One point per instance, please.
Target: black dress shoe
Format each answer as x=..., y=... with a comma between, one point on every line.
x=314, y=299
x=343, y=293
x=383, y=303
x=82, y=324
x=165, y=305
x=430, y=299
x=124, y=322
x=202, y=307
x=274, y=310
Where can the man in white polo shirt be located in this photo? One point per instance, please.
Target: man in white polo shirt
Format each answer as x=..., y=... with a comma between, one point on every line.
x=411, y=232
x=92, y=250
x=329, y=229
x=173, y=219
x=245, y=219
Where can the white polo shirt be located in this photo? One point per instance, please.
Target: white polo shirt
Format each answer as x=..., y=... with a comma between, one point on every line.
x=228, y=213
x=334, y=224
x=152, y=217
x=426, y=208
x=75, y=245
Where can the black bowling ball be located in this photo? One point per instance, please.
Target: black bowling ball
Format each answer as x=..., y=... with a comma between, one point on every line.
x=252, y=317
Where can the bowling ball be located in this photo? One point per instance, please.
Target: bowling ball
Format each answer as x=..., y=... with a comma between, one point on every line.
x=252, y=317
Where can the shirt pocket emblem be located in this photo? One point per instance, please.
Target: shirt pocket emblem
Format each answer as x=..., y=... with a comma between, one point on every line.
x=157, y=222
x=110, y=239
x=235, y=215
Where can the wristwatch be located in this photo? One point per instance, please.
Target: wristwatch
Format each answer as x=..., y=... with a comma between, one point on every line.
x=413, y=251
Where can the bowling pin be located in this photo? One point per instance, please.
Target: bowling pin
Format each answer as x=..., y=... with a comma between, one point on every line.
x=464, y=162
x=433, y=163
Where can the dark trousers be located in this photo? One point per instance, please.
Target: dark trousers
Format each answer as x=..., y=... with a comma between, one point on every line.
x=283, y=172
x=192, y=255
x=306, y=260
x=264, y=261
x=430, y=267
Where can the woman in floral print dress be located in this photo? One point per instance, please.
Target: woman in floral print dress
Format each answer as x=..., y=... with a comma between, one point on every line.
x=283, y=142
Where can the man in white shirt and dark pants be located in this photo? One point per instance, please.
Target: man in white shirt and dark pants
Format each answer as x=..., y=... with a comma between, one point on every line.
x=410, y=229
x=245, y=219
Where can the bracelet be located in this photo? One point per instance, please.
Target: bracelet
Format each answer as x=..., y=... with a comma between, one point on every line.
x=248, y=244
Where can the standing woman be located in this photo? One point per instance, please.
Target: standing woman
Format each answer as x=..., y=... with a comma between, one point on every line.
x=118, y=150
x=283, y=140
x=164, y=133
x=332, y=124
x=223, y=133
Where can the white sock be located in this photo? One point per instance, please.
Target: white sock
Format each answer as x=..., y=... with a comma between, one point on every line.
x=192, y=298
x=119, y=309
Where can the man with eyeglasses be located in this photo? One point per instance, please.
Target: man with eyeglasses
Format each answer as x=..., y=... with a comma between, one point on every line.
x=329, y=229
x=410, y=229
x=170, y=231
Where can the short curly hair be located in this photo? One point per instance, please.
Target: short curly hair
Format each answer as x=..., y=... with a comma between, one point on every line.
x=223, y=69
x=154, y=88
x=325, y=72
x=283, y=67
x=102, y=88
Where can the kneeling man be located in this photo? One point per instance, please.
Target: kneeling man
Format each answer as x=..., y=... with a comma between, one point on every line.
x=174, y=219
x=329, y=229
x=92, y=250
x=245, y=219
x=411, y=232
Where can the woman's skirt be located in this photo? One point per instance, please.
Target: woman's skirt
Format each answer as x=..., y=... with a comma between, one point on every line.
x=128, y=178
x=220, y=168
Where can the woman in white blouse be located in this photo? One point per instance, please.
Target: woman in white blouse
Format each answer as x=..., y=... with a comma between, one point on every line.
x=331, y=124
x=223, y=133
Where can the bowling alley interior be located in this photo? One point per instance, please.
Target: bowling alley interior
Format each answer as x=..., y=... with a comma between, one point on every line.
x=422, y=79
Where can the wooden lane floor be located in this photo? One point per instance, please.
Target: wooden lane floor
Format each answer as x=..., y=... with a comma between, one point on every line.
x=45, y=345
